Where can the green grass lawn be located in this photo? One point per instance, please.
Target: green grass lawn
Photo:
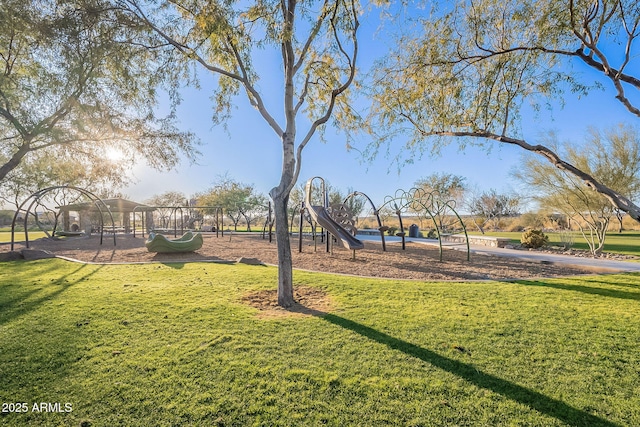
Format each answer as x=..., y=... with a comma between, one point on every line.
x=5, y=236
x=173, y=345
x=627, y=242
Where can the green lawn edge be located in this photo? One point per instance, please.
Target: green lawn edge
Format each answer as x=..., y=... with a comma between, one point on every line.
x=173, y=344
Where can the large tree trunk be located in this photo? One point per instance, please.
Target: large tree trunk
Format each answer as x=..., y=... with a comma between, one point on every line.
x=285, y=263
x=280, y=197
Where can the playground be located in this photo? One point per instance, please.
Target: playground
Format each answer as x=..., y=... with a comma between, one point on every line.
x=129, y=336
x=417, y=261
x=393, y=257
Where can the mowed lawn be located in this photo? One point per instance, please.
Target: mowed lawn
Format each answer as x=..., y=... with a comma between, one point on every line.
x=627, y=242
x=5, y=236
x=174, y=345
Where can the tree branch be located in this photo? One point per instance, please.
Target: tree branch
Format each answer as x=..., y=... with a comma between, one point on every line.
x=254, y=96
x=182, y=48
x=336, y=92
x=617, y=199
x=312, y=35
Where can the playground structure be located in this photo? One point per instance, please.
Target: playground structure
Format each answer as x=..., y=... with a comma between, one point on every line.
x=97, y=208
x=335, y=221
x=339, y=221
x=38, y=199
x=75, y=217
x=189, y=242
x=148, y=222
x=376, y=212
x=427, y=205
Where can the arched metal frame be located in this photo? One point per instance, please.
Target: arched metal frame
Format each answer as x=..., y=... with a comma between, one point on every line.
x=381, y=227
x=36, y=199
x=219, y=217
x=418, y=198
x=402, y=197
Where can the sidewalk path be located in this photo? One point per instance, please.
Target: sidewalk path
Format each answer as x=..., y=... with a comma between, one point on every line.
x=596, y=264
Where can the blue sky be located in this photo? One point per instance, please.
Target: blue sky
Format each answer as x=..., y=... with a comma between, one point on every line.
x=249, y=151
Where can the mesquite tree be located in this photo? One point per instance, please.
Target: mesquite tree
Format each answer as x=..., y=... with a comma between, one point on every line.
x=467, y=68
x=611, y=156
x=72, y=89
x=316, y=45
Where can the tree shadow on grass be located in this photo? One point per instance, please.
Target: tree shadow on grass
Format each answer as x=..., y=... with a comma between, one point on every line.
x=538, y=401
x=22, y=304
x=592, y=290
x=629, y=280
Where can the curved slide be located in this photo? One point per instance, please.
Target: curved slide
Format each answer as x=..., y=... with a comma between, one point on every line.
x=320, y=215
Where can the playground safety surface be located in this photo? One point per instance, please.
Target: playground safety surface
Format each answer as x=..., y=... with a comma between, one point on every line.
x=418, y=262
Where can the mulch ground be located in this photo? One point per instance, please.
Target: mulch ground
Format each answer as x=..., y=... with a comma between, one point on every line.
x=418, y=261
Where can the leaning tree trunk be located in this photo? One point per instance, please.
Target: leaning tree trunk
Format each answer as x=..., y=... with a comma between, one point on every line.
x=618, y=200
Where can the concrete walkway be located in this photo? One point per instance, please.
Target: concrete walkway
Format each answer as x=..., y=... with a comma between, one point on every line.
x=595, y=264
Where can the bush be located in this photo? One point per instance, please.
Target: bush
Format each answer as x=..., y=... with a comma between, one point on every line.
x=432, y=234
x=534, y=239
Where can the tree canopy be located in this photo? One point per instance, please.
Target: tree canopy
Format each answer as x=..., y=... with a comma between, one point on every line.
x=236, y=199
x=489, y=207
x=470, y=69
x=44, y=169
x=611, y=156
x=447, y=186
x=74, y=85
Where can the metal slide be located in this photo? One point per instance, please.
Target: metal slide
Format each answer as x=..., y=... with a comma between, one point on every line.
x=320, y=215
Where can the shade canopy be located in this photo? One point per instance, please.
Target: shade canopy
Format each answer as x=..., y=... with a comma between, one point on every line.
x=115, y=205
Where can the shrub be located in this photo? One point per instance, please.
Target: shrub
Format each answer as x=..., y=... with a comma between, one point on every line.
x=534, y=239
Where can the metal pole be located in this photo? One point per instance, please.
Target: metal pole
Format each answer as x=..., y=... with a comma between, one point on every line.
x=300, y=228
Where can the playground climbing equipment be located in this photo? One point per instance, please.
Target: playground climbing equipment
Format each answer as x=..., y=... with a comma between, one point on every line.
x=381, y=228
x=173, y=215
x=339, y=220
x=38, y=199
x=333, y=220
x=189, y=242
x=426, y=205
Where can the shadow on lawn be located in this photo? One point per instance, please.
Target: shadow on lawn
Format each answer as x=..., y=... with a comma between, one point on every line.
x=22, y=303
x=630, y=280
x=593, y=290
x=541, y=403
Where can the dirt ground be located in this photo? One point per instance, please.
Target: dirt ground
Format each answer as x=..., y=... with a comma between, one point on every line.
x=418, y=261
